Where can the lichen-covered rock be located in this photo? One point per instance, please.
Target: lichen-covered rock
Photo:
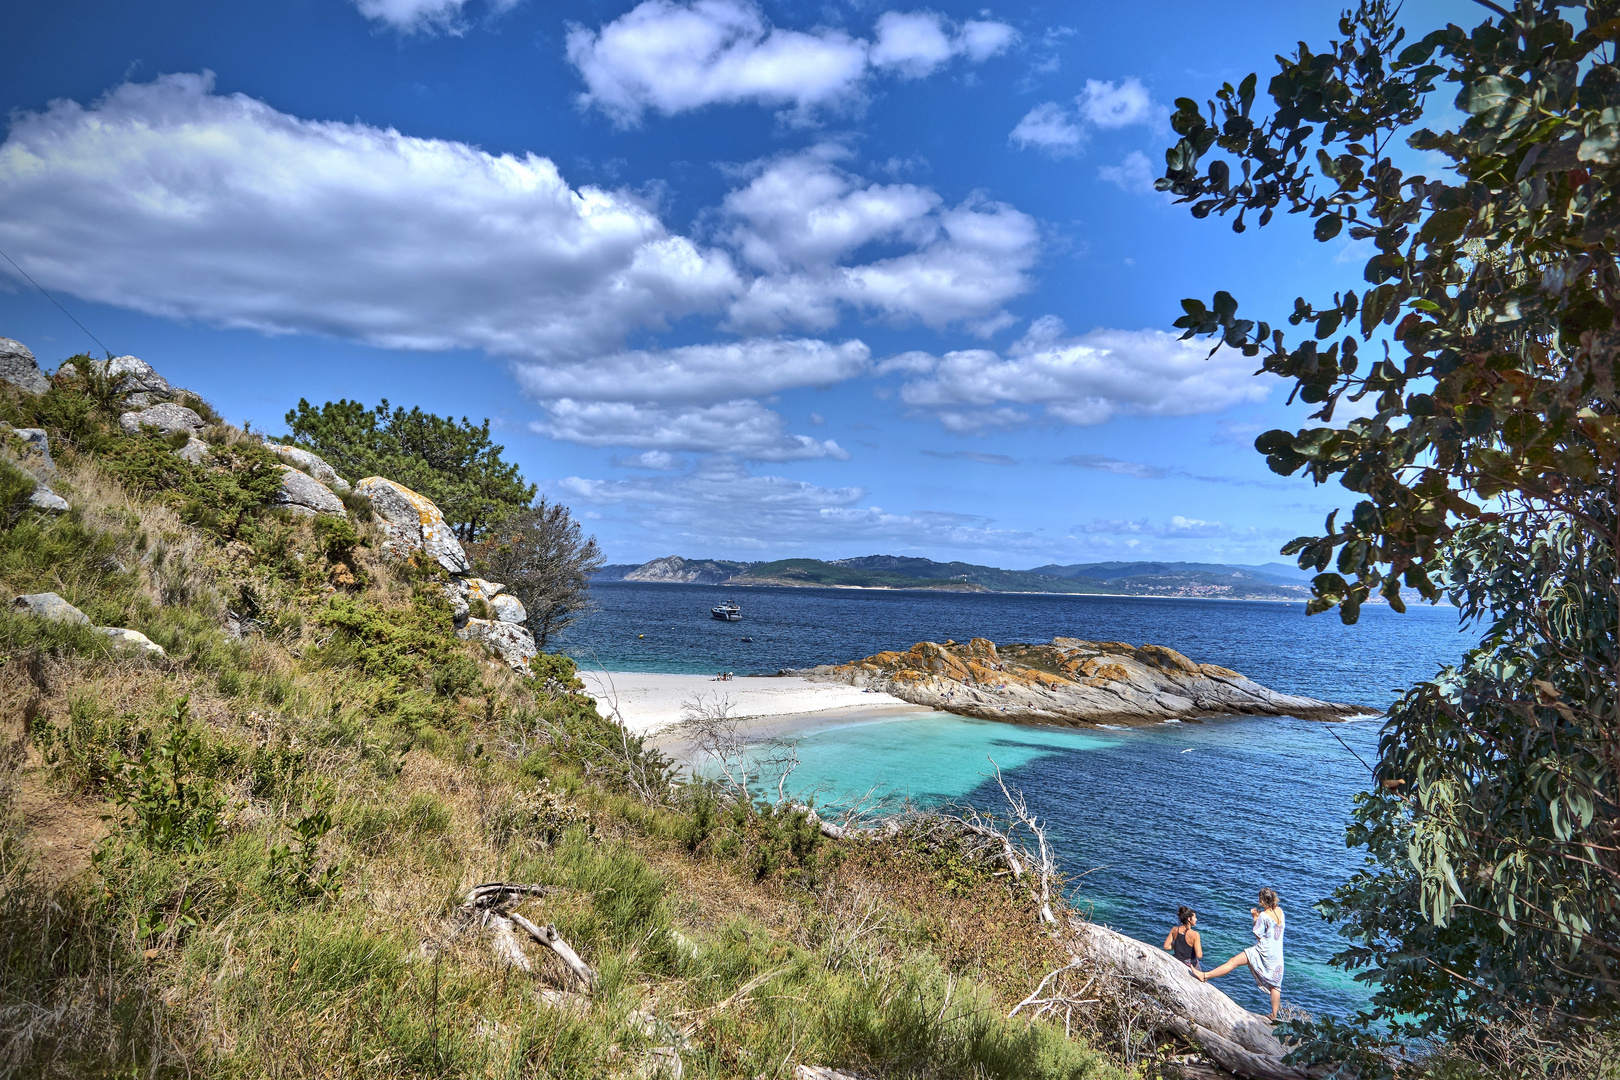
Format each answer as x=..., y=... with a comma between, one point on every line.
x=509, y=608
x=133, y=639
x=413, y=523
x=313, y=464
x=48, y=605
x=135, y=377
x=167, y=418
x=44, y=498
x=19, y=368
x=1070, y=682
x=303, y=494
x=510, y=642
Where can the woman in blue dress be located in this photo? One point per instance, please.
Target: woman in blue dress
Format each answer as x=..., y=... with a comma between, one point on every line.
x=1265, y=957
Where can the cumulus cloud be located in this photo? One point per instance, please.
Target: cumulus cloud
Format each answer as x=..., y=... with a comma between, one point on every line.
x=655, y=460
x=422, y=16
x=1050, y=127
x=700, y=373
x=744, y=427
x=167, y=198
x=1061, y=131
x=674, y=57
x=1081, y=380
x=803, y=218
x=723, y=505
x=1115, y=105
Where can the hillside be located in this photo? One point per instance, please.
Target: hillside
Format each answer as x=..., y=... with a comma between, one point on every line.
x=240, y=829
x=1274, y=582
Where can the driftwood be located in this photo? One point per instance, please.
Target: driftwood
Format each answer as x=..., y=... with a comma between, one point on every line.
x=1233, y=1037
x=491, y=905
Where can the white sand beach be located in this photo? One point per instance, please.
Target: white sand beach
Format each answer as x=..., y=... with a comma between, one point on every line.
x=649, y=703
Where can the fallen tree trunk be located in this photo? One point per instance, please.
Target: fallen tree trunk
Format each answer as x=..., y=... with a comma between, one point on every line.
x=1233, y=1037
x=548, y=936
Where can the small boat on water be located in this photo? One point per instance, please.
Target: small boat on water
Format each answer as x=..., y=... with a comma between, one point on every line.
x=726, y=612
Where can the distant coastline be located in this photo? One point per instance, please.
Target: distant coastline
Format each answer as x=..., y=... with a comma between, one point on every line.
x=1273, y=582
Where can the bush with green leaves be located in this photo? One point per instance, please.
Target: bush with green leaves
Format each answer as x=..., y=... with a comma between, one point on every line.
x=453, y=463
x=1486, y=345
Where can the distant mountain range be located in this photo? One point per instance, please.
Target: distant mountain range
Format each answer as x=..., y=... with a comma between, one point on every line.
x=1270, y=581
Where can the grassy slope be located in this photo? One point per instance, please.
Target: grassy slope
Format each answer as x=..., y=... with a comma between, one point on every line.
x=291, y=817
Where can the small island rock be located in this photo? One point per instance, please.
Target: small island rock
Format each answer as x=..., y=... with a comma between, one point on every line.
x=1070, y=682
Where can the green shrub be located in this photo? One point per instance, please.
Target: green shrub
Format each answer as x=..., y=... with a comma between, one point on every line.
x=85, y=754
x=167, y=802
x=458, y=675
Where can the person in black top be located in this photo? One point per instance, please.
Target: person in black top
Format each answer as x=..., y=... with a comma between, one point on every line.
x=1184, y=942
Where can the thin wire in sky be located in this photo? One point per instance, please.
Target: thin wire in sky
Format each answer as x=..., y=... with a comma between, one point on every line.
x=53, y=300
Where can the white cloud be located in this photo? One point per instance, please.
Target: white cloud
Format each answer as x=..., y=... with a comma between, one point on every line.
x=425, y=16
x=721, y=505
x=802, y=216
x=1048, y=127
x=1109, y=105
x=674, y=57
x=1134, y=174
x=1082, y=380
x=169, y=199
x=743, y=427
x=655, y=460
x=1102, y=105
x=700, y=373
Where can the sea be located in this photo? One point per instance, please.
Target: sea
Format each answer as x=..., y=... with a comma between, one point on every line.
x=1143, y=819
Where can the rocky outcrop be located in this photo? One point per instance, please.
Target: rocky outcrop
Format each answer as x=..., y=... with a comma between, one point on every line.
x=19, y=368
x=413, y=523
x=1070, y=682
x=313, y=464
x=48, y=605
x=136, y=378
x=303, y=494
x=167, y=418
x=512, y=643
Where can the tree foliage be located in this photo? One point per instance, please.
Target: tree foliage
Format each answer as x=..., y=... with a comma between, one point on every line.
x=454, y=464
x=544, y=560
x=1484, y=334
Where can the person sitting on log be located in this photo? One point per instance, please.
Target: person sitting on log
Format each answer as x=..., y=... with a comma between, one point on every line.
x=1265, y=957
x=1183, y=941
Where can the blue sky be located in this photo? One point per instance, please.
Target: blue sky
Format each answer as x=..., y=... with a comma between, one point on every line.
x=734, y=279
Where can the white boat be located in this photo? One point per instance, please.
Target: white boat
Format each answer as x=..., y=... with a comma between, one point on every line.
x=726, y=612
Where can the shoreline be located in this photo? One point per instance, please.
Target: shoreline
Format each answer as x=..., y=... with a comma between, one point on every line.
x=653, y=704
x=980, y=591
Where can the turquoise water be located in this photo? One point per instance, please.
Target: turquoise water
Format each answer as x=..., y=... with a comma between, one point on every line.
x=1196, y=814
x=1200, y=814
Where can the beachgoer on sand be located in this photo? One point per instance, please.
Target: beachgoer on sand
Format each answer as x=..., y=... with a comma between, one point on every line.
x=1183, y=941
x=1265, y=957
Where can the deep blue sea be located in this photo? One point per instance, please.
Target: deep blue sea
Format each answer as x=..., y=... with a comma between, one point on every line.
x=1200, y=814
